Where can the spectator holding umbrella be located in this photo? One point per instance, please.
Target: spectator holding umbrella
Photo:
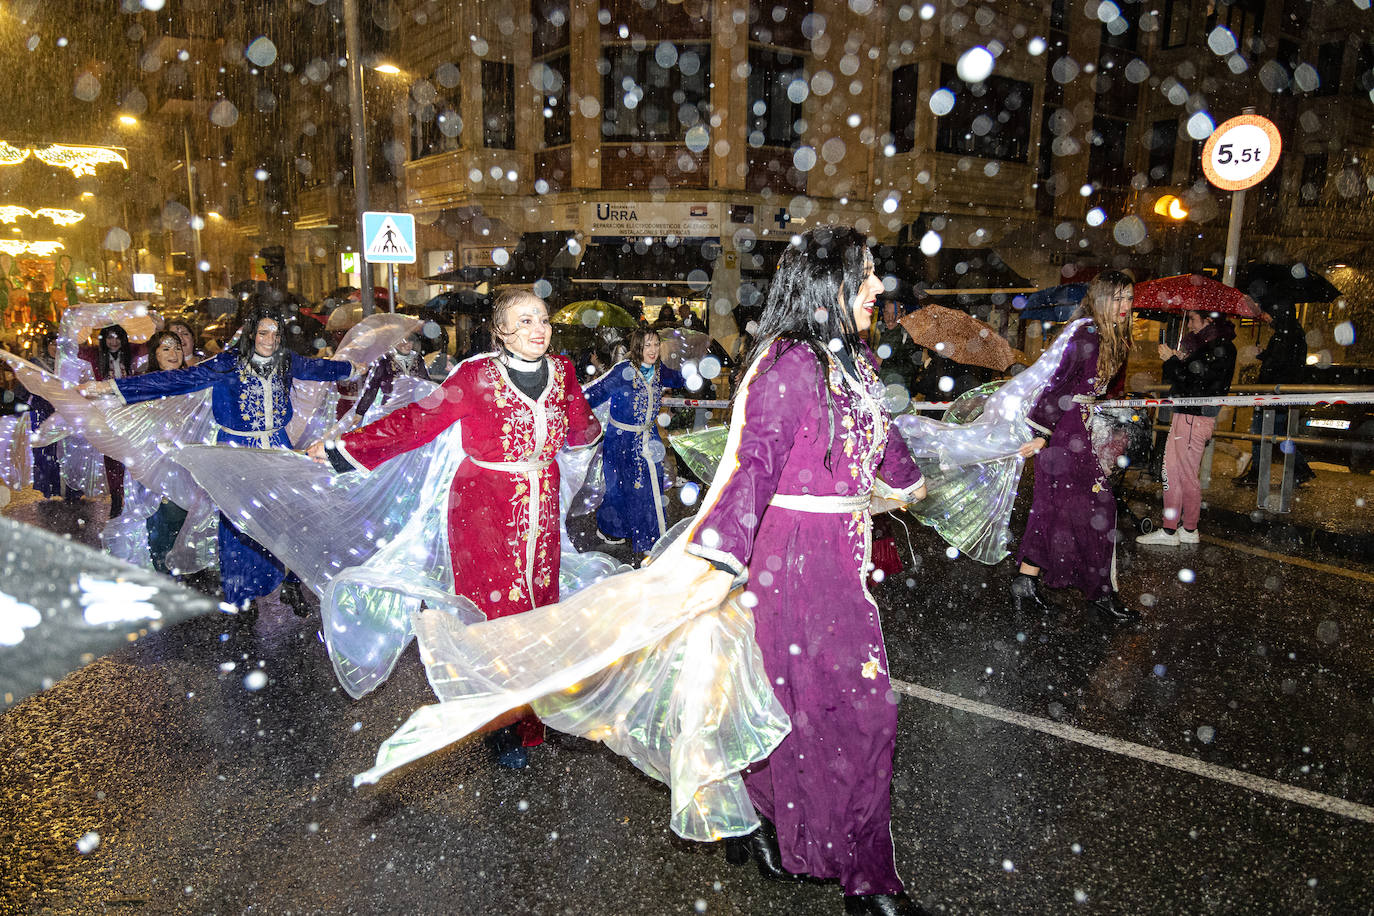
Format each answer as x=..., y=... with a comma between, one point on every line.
x=1202, y=366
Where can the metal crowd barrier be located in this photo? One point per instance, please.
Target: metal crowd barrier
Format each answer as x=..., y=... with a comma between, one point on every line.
x=1269, y=399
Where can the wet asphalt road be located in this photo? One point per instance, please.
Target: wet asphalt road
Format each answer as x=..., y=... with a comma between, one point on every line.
x=208, y=797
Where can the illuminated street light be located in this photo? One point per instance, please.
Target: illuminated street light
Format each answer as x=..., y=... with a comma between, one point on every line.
x=388, y=69
x=128, y=120
x=1172, y=207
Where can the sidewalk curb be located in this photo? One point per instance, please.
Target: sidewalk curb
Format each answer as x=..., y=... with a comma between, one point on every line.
x=1277, y=527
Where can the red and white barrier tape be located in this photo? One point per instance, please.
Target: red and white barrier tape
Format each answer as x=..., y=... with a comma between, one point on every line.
x=1245, y=400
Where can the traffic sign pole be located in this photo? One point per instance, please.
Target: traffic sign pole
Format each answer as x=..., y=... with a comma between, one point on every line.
x=1240, y=154
x=1228, y=270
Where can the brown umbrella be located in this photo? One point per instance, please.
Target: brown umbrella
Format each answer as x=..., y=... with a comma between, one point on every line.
x=960, y=337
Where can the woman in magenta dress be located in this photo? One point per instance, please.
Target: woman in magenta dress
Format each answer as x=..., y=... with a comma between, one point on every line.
x=789, y=509
x=1070, y=538
x=518, y=408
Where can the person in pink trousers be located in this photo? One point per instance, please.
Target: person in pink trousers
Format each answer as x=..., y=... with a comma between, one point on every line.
x=1202, y=366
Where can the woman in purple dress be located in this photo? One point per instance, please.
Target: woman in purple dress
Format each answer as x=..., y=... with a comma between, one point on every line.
x=1070, y=538
x=789, y=509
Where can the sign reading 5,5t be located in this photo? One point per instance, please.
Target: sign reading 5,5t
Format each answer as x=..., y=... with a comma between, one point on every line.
x=1241, y=152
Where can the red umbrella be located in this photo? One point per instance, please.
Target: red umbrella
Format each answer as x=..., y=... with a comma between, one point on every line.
x=1193, y=293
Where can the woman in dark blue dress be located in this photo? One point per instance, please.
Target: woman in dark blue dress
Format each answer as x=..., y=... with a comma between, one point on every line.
x=632, y=455
x=251, y=400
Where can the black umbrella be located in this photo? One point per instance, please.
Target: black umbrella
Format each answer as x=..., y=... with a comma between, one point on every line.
x=460, y=302
x=1284, y=284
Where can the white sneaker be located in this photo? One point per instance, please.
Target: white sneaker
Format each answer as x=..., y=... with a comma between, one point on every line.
x=1188, y=537
x=1159, y=538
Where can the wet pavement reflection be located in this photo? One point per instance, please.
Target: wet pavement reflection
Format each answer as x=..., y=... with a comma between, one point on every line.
x=205, y=770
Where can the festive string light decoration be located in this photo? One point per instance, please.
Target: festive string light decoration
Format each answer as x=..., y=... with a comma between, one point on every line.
x=12, y=155
x=16, y=247
x=10, y=213
x=82, y=160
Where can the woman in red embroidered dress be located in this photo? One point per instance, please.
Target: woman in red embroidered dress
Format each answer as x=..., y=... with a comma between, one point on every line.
x=518, y=408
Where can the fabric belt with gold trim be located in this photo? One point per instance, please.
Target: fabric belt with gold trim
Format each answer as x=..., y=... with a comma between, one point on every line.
x=511, y=467
x=800, y=502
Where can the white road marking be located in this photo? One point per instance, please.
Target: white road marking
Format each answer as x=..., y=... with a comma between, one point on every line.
x=1271, y=787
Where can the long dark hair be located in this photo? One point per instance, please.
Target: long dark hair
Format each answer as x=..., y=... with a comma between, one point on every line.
x=281, y=361
x=124, y=356
x=818, y=271
x=809, y=303
x=156, y=341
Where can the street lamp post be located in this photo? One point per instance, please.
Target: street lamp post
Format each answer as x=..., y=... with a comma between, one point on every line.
x=195, y=229
x=353, y=44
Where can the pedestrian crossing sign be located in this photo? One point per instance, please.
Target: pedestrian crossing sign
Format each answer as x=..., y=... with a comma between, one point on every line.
x=390, y=238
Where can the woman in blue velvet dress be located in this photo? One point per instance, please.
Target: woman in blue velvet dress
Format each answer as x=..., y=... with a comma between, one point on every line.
x=632, y=455
x=251, y=400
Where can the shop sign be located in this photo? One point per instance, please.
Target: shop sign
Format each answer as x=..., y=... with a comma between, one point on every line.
x=651, y=218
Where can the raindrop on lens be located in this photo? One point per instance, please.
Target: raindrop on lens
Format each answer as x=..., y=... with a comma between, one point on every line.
x=975, y=65
x=1201, y=125
x=942, y=101
x=1186, y=575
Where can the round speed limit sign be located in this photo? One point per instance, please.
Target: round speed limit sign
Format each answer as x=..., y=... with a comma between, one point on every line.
x=1241, y=152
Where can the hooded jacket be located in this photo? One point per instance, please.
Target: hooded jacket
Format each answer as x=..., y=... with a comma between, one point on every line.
x=1207, y=369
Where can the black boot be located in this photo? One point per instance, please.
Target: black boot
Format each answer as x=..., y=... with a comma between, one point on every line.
x=1113, y=610
x=883, y=905
x=762, y=847
x=1026, y=597
x=292, y=597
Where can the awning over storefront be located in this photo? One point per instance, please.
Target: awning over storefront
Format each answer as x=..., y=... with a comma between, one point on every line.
x=684, y=266
x=538, y=255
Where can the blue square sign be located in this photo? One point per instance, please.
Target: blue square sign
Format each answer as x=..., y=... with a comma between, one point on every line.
x=389, y=238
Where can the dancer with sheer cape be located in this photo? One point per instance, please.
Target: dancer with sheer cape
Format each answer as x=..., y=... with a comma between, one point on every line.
x=251, y=401
x=515, y=410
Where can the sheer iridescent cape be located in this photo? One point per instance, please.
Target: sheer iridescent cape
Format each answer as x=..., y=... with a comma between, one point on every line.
x=680, y=693
x=678, y=690
x=81, y=464
x=970, y=464
x=373, y=545
x=16, y=458
x=147, y=438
